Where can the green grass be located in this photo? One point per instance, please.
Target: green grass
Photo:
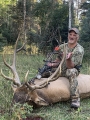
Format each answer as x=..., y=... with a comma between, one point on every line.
x=58, y=111
x=62, y=111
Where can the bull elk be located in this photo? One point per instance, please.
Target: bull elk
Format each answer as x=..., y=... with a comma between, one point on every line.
x=41, y=93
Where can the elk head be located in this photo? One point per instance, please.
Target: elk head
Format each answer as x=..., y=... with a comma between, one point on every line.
x=28, y=92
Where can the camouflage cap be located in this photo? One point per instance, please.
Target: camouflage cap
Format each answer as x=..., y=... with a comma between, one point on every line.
x=75, y=30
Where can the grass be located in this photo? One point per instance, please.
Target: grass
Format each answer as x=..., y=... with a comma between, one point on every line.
x=58, y=111
x=62, y=111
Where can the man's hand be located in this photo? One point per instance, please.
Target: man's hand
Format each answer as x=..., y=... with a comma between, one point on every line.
x=55, y=63
x=50, y=64
x=69, y=62
x=68, y=56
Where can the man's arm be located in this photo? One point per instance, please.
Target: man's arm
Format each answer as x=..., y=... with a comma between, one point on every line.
x=69, y=62
x=55, y=63
x=77, y=59
x=58, y=59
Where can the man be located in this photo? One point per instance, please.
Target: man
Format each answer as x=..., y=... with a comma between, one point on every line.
x=72, y=63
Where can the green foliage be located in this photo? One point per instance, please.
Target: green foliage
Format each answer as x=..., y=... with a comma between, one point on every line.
x=43, y=10
x=12, y=17
x=18, y=111
x=7, y=2
x=9, y=33
x=53, y=21
x=85, y=28
x=21, y=111
x=85, y=6
x=18, y=10
x=60, y=20
x=45, y=21
x=6, y=28
x=86, y=46
x=3, y=42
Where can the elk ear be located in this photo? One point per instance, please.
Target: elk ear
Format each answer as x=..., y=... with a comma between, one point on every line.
x=41, y=101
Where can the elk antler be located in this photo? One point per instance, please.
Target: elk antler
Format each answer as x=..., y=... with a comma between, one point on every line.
x=22, y=48
x=15, y=79
x=53, y=77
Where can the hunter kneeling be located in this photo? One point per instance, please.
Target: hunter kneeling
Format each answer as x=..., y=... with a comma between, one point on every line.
x=71, y=65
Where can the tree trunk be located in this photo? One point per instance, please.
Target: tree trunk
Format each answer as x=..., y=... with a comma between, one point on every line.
x=24, y=22
x=70, y=19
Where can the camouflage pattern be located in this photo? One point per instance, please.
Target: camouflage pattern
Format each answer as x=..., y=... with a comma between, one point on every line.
x=77, y=55
x=71, y=74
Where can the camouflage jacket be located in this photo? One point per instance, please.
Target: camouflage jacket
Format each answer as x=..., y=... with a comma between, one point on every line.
x=77, y=56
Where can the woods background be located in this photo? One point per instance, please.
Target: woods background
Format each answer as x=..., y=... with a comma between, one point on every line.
x=43, y=24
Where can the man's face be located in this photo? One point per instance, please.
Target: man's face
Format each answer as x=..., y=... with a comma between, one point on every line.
x=72, y=37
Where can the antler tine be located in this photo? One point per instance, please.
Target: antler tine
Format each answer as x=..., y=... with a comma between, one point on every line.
x=15, y=78
x=53, y=77
x=15, y=49
x=35, y=86
x=15, y=74
x=26, y=75
x=22, y=47
x=8, y=78
x=59, y=67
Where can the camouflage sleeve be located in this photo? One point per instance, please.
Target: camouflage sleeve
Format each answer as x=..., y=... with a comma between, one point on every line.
x=77, y=57
x=62, y=47
x=60, y=53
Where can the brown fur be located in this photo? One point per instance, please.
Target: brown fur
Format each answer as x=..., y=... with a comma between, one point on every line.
x=56, y=91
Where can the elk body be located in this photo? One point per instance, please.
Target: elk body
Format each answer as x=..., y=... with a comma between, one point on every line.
x=56, y=91
x=45, y=91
